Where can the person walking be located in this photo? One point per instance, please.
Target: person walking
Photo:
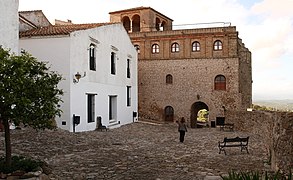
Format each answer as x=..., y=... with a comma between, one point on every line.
x=182, y=129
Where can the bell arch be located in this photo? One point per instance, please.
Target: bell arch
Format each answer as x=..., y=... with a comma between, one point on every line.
x=136, y=23
x=126, y=23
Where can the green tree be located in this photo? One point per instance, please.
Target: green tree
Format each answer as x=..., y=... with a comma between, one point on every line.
x=28, y=94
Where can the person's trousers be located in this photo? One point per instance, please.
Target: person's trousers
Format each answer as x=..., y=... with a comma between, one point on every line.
x=182, y=134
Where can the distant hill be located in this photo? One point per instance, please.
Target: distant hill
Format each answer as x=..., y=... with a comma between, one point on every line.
x=282, y=105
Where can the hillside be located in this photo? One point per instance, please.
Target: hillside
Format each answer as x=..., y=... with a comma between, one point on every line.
x=282, y=105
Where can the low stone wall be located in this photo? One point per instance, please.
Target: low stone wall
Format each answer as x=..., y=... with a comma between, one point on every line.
x=276, y=128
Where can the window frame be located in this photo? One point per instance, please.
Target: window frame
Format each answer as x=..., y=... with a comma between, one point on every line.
x=175, y=47
x=91, y=108
x=169, y=79
x=155, y=48
x=195, y=46
x=92, y=57
x=220, y=83
x=128, y=96
x=112, y=108
x=113, y=63
x=218, y=45
x=128, y=70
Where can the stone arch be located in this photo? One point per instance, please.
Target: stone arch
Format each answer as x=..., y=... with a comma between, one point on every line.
x=136, y=23
x=126, y=23
x=169, y=114
x=163, y=25
x=158, y=24
x=195, y=108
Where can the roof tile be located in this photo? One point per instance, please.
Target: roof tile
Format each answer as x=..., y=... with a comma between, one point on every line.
x=59, y=29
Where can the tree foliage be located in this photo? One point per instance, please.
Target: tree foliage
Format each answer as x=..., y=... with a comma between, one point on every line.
x=28, y=93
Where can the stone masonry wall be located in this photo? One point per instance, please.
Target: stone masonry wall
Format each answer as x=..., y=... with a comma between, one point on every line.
x=276, y=128
x=193, y=81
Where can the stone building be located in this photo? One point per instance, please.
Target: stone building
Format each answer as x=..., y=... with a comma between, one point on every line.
x=185, y=70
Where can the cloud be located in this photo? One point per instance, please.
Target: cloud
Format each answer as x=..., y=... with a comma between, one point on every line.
x=265, y=26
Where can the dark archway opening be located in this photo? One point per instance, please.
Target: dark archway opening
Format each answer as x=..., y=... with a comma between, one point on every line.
x=199, y=114
x=169, y=114
x=126, y=23
x=136, y=23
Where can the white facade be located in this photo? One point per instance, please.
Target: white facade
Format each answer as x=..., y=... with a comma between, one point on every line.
x=70, y=54
x=9, y=25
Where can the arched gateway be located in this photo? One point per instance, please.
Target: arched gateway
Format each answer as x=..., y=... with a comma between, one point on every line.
x=195, y=108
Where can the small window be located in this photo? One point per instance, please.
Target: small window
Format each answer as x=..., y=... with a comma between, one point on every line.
x=220, y=82
x=91, y=108
x=169, y=79
x=155, y=48
x=218, y=45
x=128, y=93
x=195, y=46
x=113, y=63
x=128, y=69
x=92, y=57
x=137, y=48
x=175, y=47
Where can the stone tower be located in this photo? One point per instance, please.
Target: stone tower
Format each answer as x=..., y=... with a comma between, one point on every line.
x=183, y=71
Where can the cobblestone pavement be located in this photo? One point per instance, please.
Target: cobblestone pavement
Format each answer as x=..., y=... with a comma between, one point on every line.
x=137, y=151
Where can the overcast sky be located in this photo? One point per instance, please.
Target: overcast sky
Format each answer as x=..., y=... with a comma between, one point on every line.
x=265, y=26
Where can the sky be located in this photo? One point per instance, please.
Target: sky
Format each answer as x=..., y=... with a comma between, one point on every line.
x=265, y=26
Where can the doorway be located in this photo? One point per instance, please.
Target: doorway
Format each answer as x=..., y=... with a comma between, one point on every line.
x=199, y=114
x=169, y=113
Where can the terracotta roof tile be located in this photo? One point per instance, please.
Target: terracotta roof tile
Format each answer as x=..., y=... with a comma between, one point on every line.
x=59, y=29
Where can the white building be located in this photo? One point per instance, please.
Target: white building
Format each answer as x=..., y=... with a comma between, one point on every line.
x=9, y=25
x=99, y=65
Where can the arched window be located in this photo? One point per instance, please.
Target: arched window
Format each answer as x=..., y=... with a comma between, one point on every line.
x=137, y=48
x=136, y=23
x=158, y=23
x=126, y=23
x=92, y=57
x=195, y=46
x=218, y=45
x=155, y=48
x=220, y=82
x=169, y=79
x=175, y=47
x=163, y=26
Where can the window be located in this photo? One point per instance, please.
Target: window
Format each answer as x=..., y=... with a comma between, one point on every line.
x=220, y=82
x=137, y=48
x=113, y=63
x=155, y=48
x=195, y=46
x=92, y=56
x=90, y=108
x=128, y=68
x=175, y=47
x=112, y=108
x=128, y=89
x=218, y=45
x=169, y=79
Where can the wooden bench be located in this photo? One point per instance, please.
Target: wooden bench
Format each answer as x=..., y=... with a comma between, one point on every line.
x=234, y=142
x=228, y=126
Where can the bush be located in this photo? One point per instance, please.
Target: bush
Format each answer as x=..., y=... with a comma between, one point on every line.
x=257, y=176
x=19, y=163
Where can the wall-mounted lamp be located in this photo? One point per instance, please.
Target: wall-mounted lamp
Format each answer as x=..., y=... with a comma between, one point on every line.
x=198, y=96
x=78, y=76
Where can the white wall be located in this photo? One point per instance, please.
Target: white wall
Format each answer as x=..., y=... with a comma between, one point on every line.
x=55, y=51
x=101, y=82
x=9, y=25
x=69, y=55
